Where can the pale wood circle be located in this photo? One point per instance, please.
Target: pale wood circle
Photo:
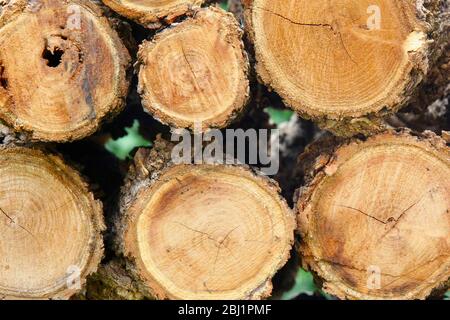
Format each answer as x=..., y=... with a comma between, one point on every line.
x=50, y=227
x=334, y=59
x=375, y=222
x=195, y=72
x=209, y=232
x=63, y=69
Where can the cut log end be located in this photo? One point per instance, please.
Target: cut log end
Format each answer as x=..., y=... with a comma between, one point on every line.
x=375, y=220
x=50, y=227
x=62, y=69
x=208, y=232
x=331, y=61
x=205, y=69
x=152, y=14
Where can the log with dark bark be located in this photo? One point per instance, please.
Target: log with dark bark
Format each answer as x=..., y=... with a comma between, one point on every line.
x=62, y=69
x=204, y=67
x=430, y=109
x=195, y=232
x=50, y=226
x=374, y=216
x=346, y=64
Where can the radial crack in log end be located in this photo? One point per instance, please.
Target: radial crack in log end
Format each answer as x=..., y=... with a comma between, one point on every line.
x=205, y=71
x=63, y=69
x=203, y=232
x=374, y=219
x=50, y=226
x=346, y=65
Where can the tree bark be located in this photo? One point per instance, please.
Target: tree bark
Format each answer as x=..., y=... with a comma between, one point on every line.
x=205, y=68
x=153, y=14
x=346, y=66
x=63, y=69
x=50, y=226
x=195, y=232
x=429, y=110
x=236, y=7
x=373, y=216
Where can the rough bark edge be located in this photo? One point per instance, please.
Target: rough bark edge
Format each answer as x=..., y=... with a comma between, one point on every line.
x=236, y=7
x=112, y=281
x=96, y=246
x=154, y=18
x=148, y=166
x=12, y=11
x=429, y=109
x=241, y=101
x=431, y=13
x=315, y=161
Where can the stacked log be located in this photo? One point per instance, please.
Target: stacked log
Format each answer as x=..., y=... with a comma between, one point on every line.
x=346, y=66
x=63, y=69
x=205, y=67
x=371, y=206
x=153, y=14
x=374, y=216
x=195, y=232
x=50, y=226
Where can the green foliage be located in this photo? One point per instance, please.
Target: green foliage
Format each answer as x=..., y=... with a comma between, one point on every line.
x=122, y=147
x=304, y=284
x=278, y=116
x=327, y=296
x=224, y=5
x=447, y=296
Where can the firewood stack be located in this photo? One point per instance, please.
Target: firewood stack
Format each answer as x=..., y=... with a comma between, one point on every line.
x=370, y=213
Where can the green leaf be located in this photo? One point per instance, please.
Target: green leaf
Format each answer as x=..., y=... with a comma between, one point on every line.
x=122, y=147
x=278, y=116
x=224, y=5
x=447, y=296
x=327, y=296
x=304, y=284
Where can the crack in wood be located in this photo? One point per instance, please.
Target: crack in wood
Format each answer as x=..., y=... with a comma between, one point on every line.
x=310, y=24
x=306, y=24
x=16, y=223
x=362, y=212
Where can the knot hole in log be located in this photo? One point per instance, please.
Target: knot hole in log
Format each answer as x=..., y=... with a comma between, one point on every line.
x=59, y=47
x=53, y=57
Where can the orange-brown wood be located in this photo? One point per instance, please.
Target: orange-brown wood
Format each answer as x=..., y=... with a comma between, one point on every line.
x=196, y=72
x=50, y=226
x=344, y=64
x=151, y=13
x=62, y=69
x=374, y=217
